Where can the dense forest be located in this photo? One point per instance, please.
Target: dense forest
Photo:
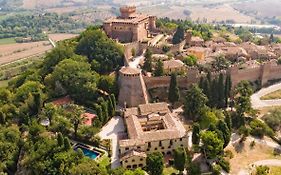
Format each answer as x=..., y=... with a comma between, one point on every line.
x=34, y=25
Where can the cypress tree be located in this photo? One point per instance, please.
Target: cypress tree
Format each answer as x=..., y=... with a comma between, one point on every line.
x=180, y=159
x=174, y=93
x=99, y=112
x=110, y=107
x=159, y=70
x=227, y=90
x=227, y=120
x=37, y=105
x=196, y=134
x=207, y=89
x=221, y=92
x=60, y=139
x=179, y=35
x=214, y=93
x=2, y=118
x=104, y=111
x=148, y=61
x=112, y=97
x=201, y=83
x=226, y=134
x=67, y=144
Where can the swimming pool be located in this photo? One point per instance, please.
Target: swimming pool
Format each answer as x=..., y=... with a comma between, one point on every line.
x=89, y=153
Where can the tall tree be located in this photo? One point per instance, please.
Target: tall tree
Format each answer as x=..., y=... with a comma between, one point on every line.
x=195, y=101
x=49, y=111
x=196, y=134
x=212, y=145
x=112, y=97
x=226, y=133
x=221, y=92
x=148, y=61
x=227, y=90
x=180, y=159
x=94, y=44
x=179, y=35
x=242, y=100
x=60, y=139
x=104, y=107
x=155, y=163
x=174, y=93
x=159, y=70
x=75, y=114
x=67, y=144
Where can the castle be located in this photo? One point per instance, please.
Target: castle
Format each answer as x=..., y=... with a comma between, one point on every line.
x=130, y=26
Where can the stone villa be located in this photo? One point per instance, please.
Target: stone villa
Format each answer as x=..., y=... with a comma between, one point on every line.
x=130, y=26
x=150, y=128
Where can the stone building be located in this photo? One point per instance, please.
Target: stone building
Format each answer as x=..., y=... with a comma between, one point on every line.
x=132, y=88
x=130, y=26
x=174, y=66
x=150, y=128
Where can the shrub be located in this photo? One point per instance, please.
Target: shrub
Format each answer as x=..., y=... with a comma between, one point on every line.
x=224, y=164
x=259, y=129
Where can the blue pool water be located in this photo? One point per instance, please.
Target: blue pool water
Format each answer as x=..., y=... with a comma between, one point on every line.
x=89, y=153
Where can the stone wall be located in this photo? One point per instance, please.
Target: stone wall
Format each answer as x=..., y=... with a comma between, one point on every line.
x=263, y=73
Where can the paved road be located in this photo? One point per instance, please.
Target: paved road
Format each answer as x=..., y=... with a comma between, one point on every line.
x=110, y=131
x=136, y=62
x=258, y=103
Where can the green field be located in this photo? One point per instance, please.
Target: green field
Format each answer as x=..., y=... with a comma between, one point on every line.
x=3, y=83
x=275, y=171
x=7, y=41
x=272, y=95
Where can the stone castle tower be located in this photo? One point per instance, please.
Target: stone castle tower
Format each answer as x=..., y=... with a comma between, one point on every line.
x=132, y=88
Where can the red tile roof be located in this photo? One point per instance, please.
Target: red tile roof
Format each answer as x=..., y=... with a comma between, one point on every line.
x=62, y=101
x=88, y=118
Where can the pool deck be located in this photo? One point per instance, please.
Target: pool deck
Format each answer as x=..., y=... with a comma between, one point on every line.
x=111, y=131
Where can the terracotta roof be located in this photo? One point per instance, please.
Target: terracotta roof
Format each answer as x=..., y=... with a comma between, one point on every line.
x=62, y=101
x=129, y=70
x=198, y=49
x=173, y=129
x=134, y=18
x=173, y=64
x=88, y=118
x=197, y=39
x=146, y=109
x=132, y=153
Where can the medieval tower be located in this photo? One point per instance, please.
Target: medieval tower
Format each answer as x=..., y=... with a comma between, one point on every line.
x=132, y=88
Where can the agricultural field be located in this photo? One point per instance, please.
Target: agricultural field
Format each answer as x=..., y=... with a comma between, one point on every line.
x=7, y=41
x=260, y=8
x=17, y=51
x=61, y=36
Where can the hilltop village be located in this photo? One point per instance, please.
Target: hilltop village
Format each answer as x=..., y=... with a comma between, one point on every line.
x=140, y=95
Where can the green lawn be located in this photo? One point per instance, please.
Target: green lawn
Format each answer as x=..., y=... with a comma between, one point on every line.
x=4, y=83
x=7, y=41
x=275, y=171
x=169, y=171
x=272, y=95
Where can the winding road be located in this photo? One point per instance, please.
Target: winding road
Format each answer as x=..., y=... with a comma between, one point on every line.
x=258, y=103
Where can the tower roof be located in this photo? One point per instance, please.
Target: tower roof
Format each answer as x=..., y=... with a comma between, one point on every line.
x=129, y=70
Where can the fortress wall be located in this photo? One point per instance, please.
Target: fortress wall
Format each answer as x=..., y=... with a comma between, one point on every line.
x=252, y=75
x=275, y=73
x=138, y=46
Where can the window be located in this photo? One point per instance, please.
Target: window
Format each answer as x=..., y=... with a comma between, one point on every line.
x=140, y=165
x=126, y=148
x=138, y=147
x=147, y=149
x=163, y=147
x=155, y=149
x=133, y=160
x=141, y=159
x=149, y=144
x=126, y=161
x=129, y=167
x=160, y=143
x=171, y=142
x=180, y=139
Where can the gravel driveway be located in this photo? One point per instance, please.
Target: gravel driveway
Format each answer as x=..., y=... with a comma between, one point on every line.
x=110, y=131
